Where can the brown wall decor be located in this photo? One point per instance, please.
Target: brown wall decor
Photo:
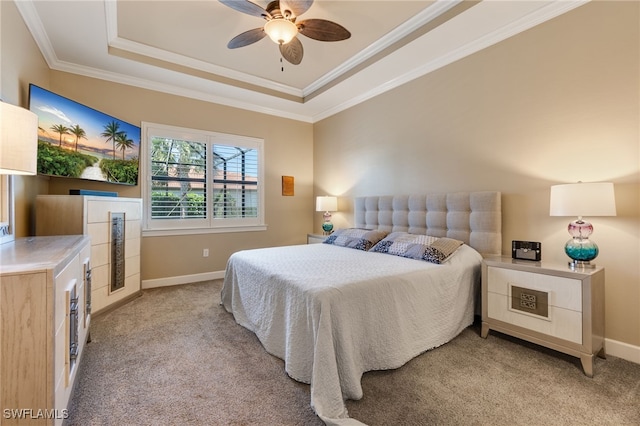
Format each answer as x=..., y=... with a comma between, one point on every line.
x=287, y=185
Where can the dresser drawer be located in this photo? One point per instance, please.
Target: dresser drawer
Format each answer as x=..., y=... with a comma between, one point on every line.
x=561, y=323
x=542, y=303
x=561, y=292
x=100, y=210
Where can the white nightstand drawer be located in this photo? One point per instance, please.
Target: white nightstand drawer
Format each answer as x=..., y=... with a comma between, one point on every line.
x=561, y=323
x=562, y=292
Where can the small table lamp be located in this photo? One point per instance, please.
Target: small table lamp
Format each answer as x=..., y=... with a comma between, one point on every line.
x=582, y=199
x=326, y=205
x=18, y=156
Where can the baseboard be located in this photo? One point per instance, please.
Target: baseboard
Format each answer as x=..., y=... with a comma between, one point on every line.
x=116, y=305
x=183, y=279
x=623, y=350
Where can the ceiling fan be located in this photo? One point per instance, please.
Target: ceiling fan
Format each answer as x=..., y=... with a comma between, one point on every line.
x=282, y=27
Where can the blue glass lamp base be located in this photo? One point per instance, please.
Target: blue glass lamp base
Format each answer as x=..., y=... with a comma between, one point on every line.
x=327, y=227
x=582, y=251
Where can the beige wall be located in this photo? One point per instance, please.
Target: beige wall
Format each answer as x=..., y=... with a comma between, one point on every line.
x=558, y=103
x=20, y=64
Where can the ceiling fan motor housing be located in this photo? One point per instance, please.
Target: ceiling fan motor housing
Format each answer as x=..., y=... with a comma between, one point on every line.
x=274, y=10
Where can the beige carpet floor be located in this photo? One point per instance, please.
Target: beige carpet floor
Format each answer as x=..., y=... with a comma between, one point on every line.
x=174, y=356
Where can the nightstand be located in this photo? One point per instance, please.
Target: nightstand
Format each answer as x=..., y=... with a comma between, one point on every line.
x=550, y=305
x=316, y=238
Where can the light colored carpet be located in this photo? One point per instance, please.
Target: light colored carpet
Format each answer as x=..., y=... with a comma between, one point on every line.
x=174, y=356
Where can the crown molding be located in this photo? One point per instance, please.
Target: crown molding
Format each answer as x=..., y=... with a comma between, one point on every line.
x=117, y=42
x=29, y=13
x=395, y=36
x=175, y=90
x=539, y=16
x=32, y=20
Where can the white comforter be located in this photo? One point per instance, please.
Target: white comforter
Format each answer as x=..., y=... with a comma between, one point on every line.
x=333, y=313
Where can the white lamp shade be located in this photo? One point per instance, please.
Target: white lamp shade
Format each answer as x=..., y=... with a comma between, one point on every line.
x=18, y=140
x=326, y=204
x=583, y=199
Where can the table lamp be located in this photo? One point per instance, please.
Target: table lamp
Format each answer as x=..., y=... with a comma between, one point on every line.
x=582, y=199
x=326, y=204
x=18, y=156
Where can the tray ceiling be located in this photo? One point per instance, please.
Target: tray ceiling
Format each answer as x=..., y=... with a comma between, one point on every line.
x=179, y=47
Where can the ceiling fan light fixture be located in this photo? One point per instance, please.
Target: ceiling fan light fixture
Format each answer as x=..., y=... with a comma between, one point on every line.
x=280, y=30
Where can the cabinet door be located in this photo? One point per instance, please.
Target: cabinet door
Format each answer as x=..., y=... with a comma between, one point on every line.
x=68, y=295
x=24, y=337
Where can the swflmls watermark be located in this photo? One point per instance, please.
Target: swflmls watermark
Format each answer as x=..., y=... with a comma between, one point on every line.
x=34, y=414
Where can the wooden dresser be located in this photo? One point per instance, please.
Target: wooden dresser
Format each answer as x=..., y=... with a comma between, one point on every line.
x=114, y=225
x=45, y=312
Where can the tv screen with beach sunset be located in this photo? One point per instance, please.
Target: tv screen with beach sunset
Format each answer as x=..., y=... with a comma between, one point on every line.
x=77, y=141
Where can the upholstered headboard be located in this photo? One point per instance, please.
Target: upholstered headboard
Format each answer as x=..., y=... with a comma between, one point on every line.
x=472, y=217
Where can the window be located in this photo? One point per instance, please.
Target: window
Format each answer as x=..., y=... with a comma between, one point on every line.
x=198, y=181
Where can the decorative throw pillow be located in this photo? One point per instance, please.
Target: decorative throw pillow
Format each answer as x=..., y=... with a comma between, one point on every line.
x=420, y=247
x=360, y=239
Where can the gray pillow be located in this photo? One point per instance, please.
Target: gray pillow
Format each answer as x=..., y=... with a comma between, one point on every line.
x=420, y=247
x=357, y=238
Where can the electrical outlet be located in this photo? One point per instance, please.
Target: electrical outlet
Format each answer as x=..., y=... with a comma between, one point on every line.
x=205, y=252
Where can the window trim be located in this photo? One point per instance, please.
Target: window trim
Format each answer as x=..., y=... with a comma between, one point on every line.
x=163, y=227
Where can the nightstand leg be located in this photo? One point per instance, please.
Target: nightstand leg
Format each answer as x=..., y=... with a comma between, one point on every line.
x=484, y=331
x=587, y=364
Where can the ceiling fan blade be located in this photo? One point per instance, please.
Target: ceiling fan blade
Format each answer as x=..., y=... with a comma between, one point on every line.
x=297, y=7
x=323, y=30
x=292, y=51
x=245, y=6
x=246, y=38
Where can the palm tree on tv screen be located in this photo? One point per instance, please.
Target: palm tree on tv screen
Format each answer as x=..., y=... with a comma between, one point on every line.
x=60, y=129
x=111, y=132
x=123, y=142
x=78, y=132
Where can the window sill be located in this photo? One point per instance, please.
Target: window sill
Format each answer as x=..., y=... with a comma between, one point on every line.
x=196, y=231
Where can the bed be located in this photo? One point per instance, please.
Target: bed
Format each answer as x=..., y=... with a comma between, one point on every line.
x=333, y=311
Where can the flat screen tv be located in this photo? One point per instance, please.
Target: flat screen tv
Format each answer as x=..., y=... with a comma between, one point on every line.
x=77, y=141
